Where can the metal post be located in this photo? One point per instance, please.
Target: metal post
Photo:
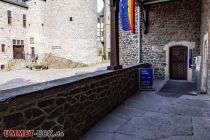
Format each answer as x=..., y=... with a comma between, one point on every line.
x=114, y=62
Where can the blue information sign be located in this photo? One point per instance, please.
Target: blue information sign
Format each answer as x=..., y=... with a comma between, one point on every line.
x=190, y=58
x=146, y=78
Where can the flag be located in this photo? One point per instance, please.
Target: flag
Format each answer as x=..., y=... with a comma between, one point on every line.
x=131, y=15
x=123, y=9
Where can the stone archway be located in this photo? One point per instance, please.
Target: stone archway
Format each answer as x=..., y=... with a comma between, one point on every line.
x=189, y=45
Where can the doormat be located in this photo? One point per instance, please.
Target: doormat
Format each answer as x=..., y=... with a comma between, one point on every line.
x=177, y=89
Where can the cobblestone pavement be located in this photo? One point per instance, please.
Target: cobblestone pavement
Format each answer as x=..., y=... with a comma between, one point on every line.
x=149, y=116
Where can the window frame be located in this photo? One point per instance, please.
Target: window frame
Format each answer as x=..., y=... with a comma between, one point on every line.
x=32, y=40
x=3, y=48
x=9, y=17
x=24, y=21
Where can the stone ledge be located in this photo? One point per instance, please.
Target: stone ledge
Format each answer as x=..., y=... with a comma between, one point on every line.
x=71, y=105
x=37, y=88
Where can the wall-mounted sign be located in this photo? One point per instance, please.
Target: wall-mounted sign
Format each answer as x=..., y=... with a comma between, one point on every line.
x=190, y=58
x=146, y=79
x=56, y=47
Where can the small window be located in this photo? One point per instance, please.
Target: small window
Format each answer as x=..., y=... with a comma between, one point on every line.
x=14, y=42
x=9, y=15
x=18, y=42
x=71, y=19
x=22, y=42
x=2, y=47
x=32, y=52
x=31, y=40
x=2, y=67
x=24, y=21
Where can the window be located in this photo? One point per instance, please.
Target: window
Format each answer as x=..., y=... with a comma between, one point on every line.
x=24, y=21
x=22, y=42
x=32, y=52
x=14, y=42
x=18, y=42
x=31, y=40
x=9, y=15
x=2, y=67
x=2, y=47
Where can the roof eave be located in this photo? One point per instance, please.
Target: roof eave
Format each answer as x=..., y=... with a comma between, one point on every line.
x=16, y=4
x=150, y=2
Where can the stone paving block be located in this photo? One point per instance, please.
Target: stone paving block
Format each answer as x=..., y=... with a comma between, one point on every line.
x=147, y=106
x=110, y=124
x=127, y=113
x=151, y=97
x=201, y=127
x=186, y=110
x=125, y=137
x=170, y=106
x=149, y=116
x=98, y=136
x=194, y=103
x=178, y=138
x=157, y=126
x=198, y=97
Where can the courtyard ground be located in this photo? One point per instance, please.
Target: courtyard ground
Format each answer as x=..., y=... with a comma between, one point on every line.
x=151, y=116
x=19, y=78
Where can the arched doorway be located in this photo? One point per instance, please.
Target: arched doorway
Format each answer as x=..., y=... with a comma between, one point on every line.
x=189, y=45
x=178, y=62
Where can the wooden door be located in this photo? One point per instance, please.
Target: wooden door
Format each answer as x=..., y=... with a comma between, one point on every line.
x=18, y=51
x=178, y=62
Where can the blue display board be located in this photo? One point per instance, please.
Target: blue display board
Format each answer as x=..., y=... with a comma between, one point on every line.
x=190, y=58
x=146, y=78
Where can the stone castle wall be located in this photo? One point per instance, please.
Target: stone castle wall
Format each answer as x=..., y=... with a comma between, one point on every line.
x=77, y=38
x=205, y=36
x=70, y=105
x=55, y=28
x=173, y=21
x=129, y=44
x=10, y=32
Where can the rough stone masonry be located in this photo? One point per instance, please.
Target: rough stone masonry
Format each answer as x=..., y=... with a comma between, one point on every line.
x=173, y=21
x=71, y=105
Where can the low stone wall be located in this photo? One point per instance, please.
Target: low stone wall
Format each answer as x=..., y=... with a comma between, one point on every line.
x=71, y=105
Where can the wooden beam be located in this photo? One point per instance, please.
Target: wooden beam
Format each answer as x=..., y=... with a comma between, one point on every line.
x=148, y=2
x=114, y=62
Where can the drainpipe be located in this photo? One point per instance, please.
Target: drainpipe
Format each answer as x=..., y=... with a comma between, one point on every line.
x=139, y=34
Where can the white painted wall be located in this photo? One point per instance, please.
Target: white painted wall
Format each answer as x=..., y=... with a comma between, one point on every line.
x=10, y=32
x=204, y=73
x=49, y=24
x=36, y=26
x=77, y=38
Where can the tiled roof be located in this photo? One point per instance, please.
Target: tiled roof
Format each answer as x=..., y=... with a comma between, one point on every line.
x=20, y=3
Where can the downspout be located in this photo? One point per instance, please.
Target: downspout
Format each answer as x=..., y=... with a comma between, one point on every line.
x=139, y=34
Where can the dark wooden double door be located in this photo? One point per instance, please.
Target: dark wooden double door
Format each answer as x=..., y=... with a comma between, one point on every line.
x=18, y=51
x=178, y=62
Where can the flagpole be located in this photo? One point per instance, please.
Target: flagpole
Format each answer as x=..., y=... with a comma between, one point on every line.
x=114, y=61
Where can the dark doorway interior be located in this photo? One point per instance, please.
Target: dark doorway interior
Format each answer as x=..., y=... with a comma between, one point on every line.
x=178, y=62
x=18, y=51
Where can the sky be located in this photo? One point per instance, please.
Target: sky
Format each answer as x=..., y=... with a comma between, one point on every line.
x=100, y=4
